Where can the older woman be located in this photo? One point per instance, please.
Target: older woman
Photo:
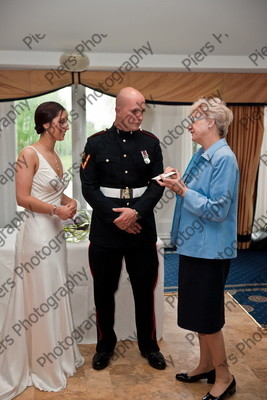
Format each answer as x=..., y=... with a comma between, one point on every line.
x=204, y=229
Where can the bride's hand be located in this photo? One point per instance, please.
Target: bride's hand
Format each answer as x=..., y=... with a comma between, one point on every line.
x=64, y=212
x=72, y=206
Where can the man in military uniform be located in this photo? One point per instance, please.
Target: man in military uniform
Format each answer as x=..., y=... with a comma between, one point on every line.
x=117, y=167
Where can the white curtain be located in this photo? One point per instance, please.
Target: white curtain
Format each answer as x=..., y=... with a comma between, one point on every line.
x=7, y=166
x=169, y=124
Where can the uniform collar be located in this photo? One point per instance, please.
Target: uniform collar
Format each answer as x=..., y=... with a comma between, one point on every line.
x=124, y=133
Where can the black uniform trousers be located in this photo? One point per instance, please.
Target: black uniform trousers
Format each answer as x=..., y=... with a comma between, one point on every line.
x=142, y=267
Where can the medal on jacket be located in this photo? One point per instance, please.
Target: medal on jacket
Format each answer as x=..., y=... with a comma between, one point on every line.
x=145, y=156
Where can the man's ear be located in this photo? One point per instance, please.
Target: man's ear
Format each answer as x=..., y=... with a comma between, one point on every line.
x=117, y=110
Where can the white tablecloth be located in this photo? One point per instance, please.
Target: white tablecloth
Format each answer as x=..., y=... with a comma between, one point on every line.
x=82, y=299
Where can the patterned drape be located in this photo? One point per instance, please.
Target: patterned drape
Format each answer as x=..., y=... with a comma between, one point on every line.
x=245, y=138
x=172, y=87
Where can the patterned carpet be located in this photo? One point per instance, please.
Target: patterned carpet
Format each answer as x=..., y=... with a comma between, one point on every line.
x=246, y=283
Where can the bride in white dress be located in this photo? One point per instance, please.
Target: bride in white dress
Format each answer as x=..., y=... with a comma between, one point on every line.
x=37, y=339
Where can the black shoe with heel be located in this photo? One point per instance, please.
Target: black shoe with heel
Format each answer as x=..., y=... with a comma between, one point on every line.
x=184, y=377
x=228, y=392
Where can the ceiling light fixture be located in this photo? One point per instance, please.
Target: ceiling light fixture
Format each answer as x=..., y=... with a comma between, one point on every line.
x=74, y=61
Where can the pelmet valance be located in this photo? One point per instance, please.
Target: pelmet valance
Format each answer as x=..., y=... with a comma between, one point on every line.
x=169, y=87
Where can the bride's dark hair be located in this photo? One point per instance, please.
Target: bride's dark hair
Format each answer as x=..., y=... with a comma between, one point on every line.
x=46, y=112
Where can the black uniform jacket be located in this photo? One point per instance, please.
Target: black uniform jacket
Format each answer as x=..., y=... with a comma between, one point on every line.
x=114, y=159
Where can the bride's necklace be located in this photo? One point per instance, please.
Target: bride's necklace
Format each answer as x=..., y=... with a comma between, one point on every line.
x=54, y=155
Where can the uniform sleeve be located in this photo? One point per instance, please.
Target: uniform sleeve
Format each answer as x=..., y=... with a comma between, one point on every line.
x=223, y=183
x=101, y=204
x=152, y=195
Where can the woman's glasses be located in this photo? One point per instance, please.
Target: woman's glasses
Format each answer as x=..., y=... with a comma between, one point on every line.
x=194, y=119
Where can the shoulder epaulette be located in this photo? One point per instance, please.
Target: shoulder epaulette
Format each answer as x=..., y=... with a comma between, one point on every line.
x=149, y=134
x=99, y=133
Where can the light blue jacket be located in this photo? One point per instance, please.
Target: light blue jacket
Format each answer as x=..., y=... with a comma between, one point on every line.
x=205, y=220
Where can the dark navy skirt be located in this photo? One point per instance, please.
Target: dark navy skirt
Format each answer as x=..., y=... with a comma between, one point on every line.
x=201, y=293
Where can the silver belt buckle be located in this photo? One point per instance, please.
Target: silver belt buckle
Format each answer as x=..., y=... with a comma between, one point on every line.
x=126, y=193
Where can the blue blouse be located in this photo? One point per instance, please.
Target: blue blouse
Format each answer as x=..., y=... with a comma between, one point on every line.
x=205, y=219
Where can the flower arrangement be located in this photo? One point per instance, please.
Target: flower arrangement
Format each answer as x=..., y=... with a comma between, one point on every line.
x=78, y=227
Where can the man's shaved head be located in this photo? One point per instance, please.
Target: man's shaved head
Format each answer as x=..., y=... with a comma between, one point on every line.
x=130, y=106
x=128, y=93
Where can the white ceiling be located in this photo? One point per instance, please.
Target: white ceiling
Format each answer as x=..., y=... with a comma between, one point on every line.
x=175, y=30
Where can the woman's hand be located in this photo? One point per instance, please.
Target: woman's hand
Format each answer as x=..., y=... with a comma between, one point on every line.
x=72, y=206
x=65, y=212
x=170, y=169
x=173, y=183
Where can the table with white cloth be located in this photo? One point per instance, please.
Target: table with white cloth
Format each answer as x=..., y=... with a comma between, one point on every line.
x=82, y=297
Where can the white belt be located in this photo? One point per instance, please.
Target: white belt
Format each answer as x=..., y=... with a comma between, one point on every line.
x=127, y=193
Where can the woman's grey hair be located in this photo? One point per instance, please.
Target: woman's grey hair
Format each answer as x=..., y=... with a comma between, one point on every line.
x=216, y=109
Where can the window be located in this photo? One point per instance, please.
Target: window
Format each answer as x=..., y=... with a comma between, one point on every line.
x=100, y=111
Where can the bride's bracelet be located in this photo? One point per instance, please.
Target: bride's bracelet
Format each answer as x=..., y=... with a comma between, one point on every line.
x=53, y=210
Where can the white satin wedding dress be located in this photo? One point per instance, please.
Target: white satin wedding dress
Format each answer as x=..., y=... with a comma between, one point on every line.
x=37, y=346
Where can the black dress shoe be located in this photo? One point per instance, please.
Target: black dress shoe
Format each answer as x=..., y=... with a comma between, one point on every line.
x=184, y=377
x=228, y=392
x=155, y=360
x=101, y=360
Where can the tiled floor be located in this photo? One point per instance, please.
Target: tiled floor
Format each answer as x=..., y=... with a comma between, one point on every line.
x=130, y=377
